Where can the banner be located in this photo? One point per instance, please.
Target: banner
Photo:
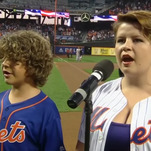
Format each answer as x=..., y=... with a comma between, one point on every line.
x=102, y=51
x=36, y=12
x=63, y=49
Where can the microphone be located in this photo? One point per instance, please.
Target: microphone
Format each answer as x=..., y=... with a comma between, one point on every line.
x=100, y=72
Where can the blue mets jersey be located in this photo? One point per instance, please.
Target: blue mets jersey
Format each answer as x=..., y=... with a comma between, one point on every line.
x=32, y=125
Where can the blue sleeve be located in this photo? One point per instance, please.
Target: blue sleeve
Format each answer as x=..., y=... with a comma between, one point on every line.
x=52, y=137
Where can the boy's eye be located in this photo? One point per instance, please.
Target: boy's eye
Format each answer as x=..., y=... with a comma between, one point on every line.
x=17, y=63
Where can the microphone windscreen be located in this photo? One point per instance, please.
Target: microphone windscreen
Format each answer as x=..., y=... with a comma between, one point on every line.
x=106, y=67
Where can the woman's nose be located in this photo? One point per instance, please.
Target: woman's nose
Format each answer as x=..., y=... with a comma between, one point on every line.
x=127, y=45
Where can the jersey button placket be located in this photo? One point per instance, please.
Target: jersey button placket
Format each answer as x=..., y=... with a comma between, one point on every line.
x=7, y=108
x=101, y=137
x=4, y=118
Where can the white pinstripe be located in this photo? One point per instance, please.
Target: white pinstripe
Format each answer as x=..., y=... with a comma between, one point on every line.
x=110, y=95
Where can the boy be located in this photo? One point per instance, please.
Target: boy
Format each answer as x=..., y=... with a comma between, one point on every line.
x=29, y=120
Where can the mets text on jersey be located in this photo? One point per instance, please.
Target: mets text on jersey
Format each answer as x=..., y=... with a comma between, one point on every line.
x=12, y=136
x=140, y=136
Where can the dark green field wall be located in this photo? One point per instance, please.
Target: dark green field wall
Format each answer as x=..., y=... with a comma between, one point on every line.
x=89, y=45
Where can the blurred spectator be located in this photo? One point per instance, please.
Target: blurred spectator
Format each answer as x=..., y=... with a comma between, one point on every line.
x=68, y=52
x=71, y=52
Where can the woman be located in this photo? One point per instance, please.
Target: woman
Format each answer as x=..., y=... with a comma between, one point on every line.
x=121, y=118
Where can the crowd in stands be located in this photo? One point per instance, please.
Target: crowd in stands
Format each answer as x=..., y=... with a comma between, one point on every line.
x=10, y=25
x=99, y=35
x=66, y=34
x=63, y=33
x=123, y=6
x=69, y=34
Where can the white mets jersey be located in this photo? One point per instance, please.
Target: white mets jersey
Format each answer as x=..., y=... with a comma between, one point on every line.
x=108, y=100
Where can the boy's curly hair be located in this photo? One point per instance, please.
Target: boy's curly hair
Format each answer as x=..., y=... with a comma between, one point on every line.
x=32, y=49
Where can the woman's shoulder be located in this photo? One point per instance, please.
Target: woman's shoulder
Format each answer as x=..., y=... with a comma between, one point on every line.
x=110, y=85
x=112, y=82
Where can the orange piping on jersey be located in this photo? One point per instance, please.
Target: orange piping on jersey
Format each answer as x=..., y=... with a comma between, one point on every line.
x=1, y=146
x=24, y=108
x=2, y=105
x=1, y=110
x=1, y=114
x=20, y=110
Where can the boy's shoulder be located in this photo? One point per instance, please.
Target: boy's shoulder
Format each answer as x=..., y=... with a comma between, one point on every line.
x=4, y=92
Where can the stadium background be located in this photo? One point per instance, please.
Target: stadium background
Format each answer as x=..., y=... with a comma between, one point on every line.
x=63, y=23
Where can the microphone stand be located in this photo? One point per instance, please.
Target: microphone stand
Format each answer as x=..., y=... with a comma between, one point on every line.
x=88, y=111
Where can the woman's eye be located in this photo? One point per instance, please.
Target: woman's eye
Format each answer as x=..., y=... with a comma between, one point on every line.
x=120, y=40
x=137, y=40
